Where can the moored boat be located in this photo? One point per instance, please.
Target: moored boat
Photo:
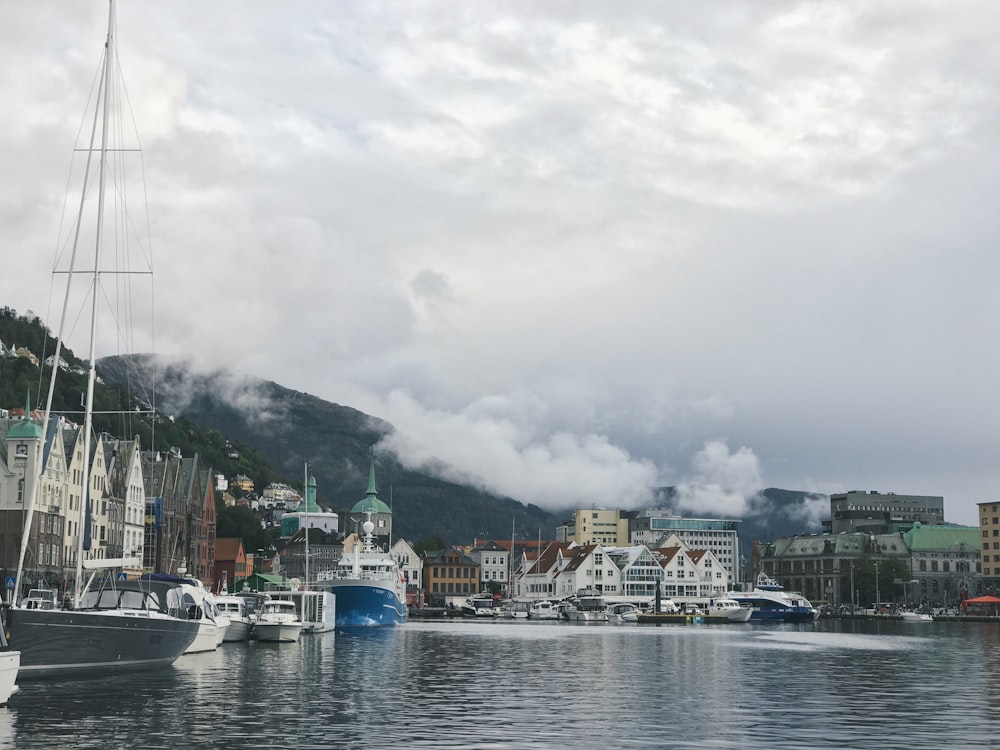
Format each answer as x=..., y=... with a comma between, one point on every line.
x=133, y=626
x=235, y=608
x=544, y=610
x=316, y=609
x=112, y=628
x=480, y=605
x=719, y=607
x=586, y=607
x=622, y=612
x=771, y=603
x=10, y=661
x=278, y=622
x=368, y=585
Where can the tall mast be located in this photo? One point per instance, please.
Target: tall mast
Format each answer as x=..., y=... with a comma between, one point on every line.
x=88, y=419
x=306, y=525
x=32, y=494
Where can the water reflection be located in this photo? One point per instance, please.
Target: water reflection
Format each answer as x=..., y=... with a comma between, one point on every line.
x=542, y=685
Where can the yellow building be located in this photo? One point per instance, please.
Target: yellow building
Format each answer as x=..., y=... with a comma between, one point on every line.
x=599, y=526
x=989, y=539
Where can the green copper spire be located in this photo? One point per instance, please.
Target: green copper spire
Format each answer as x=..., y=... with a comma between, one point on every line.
x=309, y=504
x=25, y=429
x=371, y=503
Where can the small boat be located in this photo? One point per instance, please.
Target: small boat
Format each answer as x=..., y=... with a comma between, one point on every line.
x=915, y=617
x=622, y=612
x=235, y=608
x=719, y=607
x=317, y=609
x=586, y=607
x=480, y=605
x=516, y=610
x=544, y=610
x=278, y=622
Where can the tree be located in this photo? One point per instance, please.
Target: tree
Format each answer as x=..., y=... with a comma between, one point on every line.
x=431, y=543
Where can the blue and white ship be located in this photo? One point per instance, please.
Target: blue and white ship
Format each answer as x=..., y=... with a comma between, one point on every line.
x=771, y=603
x=370, y=589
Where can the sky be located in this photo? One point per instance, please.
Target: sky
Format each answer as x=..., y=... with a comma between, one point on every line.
x=572, y=249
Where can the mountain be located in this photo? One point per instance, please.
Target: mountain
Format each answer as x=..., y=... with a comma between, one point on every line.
x=268, y=432
x=291, y=429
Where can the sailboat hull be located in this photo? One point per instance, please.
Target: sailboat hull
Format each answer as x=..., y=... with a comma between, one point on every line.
x=56, y=643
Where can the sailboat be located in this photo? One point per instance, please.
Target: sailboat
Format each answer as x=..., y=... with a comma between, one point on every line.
x=123, y=626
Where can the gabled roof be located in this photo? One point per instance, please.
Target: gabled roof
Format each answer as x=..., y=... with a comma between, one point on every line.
x=548, y=558
x=577, y=556
x=665, y=555
x=228, y=548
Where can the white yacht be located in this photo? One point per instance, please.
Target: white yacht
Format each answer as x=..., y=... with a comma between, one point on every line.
x=235, y=608
x=278, y=622
x=544, y=610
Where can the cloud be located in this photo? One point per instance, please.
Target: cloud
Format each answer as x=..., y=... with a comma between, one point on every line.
x=722, y=483
x=496, y=443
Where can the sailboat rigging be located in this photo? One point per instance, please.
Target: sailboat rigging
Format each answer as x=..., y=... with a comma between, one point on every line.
x=131, y=626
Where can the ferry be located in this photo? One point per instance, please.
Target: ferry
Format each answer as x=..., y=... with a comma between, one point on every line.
x=771, y=603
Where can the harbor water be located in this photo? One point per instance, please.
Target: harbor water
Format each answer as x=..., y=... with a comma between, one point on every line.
x=521, y=684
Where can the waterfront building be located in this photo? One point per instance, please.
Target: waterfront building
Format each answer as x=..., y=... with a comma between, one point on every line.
x=175, y=507
x=641, y=571
x=450, y=576
x=19, y=468
x=230, y=561
x=882, y=513
x=410, y=566
x=126, y=500
x=989, y=539
x=689, y=573
x=653, y=526
x=586, y=566
x=535, y=577
x=493, y=561
x=945, y=562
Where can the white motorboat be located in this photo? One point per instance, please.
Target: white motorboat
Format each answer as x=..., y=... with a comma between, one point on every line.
x=278, y=622
x=235, y=608
x=586, y=607
x=915, y=617
x=317, y=609
x=515, y=610
x=719, y=606
x=544, y=610
x=480, y=605
x=621, y=612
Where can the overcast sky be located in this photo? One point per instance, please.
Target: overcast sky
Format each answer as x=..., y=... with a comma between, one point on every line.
x=574, y=249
